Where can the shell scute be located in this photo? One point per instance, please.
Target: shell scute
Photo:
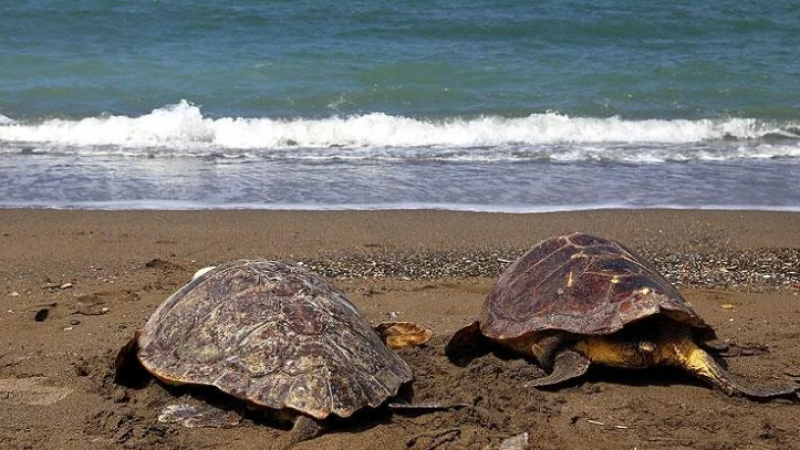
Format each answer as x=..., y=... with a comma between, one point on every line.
x=583, y=240
x=304, y=318
x=261, y=352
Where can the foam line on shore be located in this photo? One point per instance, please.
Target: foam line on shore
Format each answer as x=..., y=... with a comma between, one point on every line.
x=161, y=205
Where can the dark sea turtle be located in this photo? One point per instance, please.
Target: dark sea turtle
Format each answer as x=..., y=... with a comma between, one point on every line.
x=575, y=300
x=276, y=336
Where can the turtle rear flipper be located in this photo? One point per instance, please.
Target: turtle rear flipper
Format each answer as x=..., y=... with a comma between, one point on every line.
x=199, y=415
x=568, y=365
x=700, y=363
x=397, y=335
x=304, y=428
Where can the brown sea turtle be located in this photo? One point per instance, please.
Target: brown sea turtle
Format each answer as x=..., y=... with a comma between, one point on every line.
x=278, y=337
x=577, y=300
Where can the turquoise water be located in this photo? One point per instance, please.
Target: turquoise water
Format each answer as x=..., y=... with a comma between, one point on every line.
x=500, y=105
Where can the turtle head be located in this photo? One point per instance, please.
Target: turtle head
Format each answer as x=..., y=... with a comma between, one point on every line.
x=647, y=347
x=640, y=353
x=632, y=353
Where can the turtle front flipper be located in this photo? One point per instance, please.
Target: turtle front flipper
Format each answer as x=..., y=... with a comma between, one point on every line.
x=568, y=364
x=697, y=361
x=304, y=428
x=399, y=335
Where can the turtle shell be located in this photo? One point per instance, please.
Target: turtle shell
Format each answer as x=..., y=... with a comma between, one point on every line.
x=580, y=284
x=273, y=334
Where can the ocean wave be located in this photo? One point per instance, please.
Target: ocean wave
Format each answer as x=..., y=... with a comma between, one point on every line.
x=183, y=130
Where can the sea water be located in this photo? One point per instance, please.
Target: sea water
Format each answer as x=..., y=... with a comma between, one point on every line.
x=456, y=104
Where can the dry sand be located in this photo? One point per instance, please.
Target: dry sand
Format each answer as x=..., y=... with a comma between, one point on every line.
x=74, y=285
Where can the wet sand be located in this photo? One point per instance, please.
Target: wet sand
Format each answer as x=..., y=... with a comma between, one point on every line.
x=74, y=285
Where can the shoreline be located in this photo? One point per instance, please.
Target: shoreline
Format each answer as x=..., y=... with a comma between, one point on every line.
x=424, y=229
x=181, y=206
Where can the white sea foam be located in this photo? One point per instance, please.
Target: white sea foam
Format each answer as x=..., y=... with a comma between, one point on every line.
x=182, y=129
x=466, y=207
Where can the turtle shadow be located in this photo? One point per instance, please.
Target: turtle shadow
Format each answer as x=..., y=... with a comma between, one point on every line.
x=362, y=420
x=400, y=405
x=663, y=376
x=653, y=376
x=481, y=348
x=471, y=346
x=134, y=376
x=464, y=356
x=128, y=370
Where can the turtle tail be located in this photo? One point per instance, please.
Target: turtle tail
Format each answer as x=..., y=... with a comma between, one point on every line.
x=703, y=365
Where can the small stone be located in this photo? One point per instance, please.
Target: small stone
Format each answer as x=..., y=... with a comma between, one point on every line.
x=65, y=286
x=74, y=322
x=726, y=306
x=104, y=310
x=121, y=396
x=67, y=328
x=15, y=294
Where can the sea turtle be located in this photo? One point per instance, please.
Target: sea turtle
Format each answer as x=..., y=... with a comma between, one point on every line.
x=275, y=335
x=577, y=299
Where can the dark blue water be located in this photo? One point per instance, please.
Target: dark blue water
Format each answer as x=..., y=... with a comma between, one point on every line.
x=500, y=105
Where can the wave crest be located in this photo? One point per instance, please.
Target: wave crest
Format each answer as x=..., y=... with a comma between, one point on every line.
x=182, y=129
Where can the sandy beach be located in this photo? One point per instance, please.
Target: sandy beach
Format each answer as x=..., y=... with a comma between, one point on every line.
x=74, y=285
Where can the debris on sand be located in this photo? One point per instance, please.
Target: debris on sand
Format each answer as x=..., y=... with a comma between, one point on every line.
x=752, y=270
x=518, y=442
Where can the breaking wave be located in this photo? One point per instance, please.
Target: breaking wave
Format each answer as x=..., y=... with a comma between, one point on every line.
x=183, y=130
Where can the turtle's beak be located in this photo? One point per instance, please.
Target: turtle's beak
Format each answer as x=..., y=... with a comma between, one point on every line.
x=647, y=347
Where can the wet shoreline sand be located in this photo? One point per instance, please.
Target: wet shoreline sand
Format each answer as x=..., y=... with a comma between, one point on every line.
x=99, y=274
